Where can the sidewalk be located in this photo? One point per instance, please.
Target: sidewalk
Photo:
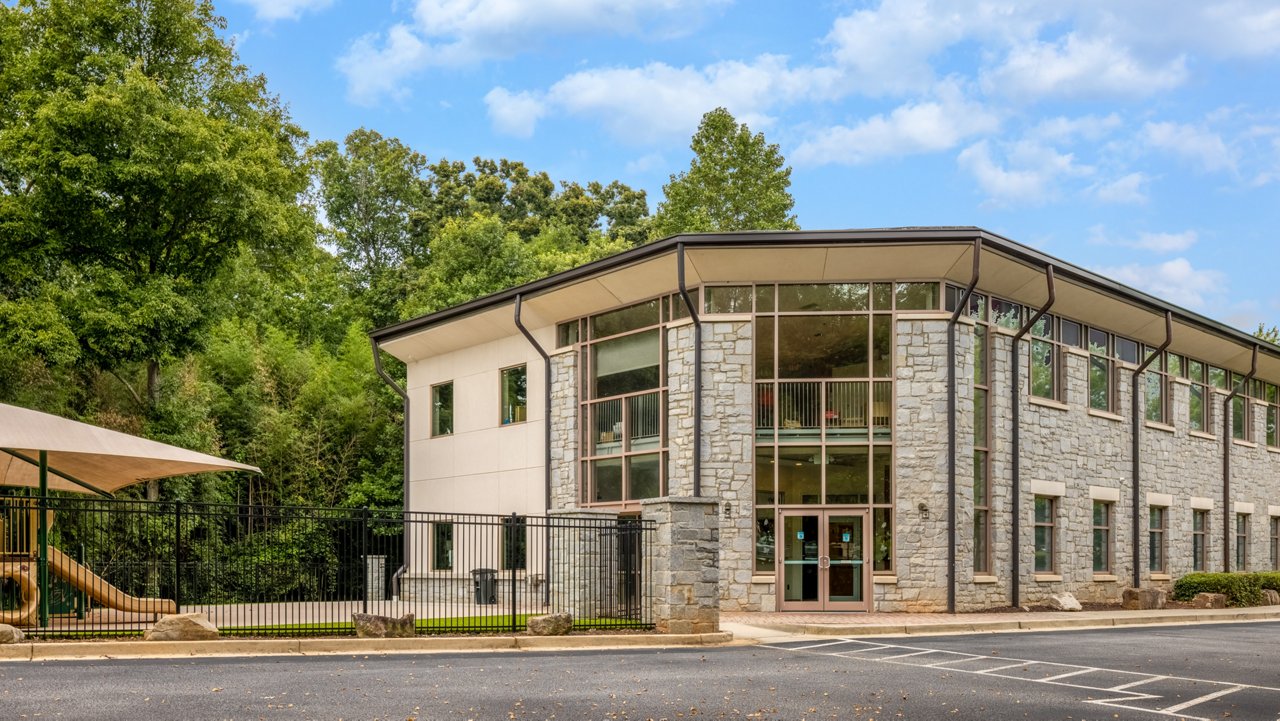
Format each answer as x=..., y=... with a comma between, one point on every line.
x=759, y=626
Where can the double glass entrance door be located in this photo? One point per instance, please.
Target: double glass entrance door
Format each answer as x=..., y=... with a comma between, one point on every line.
x=824, y=561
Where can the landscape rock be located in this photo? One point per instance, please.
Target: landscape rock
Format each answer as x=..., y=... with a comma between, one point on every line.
x=182, y=627
x=371, y=626
x=9, y=634
x=1271, y=596
x=1209, y=600
x=556, y=624
x=1144, y=599
x=1064, y=602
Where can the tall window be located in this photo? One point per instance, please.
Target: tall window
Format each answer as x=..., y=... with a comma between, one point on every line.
x=824, y=399
x=442, y=546
x=1275, y=543
x=1155, y=383
x=1272, y=396
x=1199, y=540
x=1157, y=528
x=442, y=409
x=1102, y=537
x=1242, y=542
x=515, y=543
x=1045, y=534
x=981, y=451
x=1240, y=425
x=1046, y=381
x=624, y=405
x=1101, y=396
x=515, y=401
x=1198, y=408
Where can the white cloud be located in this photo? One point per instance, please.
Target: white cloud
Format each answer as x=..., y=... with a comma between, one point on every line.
x=1087, y=127
x=1127, y=190
x=1074, y=66
x=1030, y=173
x=514, y=113
x=270, y=10
x=1162, y=243
x=674, y=99
x=448, y=33
x=920, y=127
x=646, y=163
x=1175, y=280
x=375, y=70
x=1199, y=145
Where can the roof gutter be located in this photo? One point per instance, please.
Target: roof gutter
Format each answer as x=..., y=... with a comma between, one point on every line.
x=1226, y=459
x=1015, y=395
x=697, y=372
x=961, y=304
x=1136, y=455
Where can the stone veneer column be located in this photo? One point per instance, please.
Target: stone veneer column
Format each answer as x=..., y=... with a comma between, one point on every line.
x=564, y=430
x=582, y=558
x=686, y=564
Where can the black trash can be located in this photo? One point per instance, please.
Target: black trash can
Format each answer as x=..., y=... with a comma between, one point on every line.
x=485, y=581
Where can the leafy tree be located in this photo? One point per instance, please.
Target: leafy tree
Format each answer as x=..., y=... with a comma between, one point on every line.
x=369, y=190
x=736, y=181
x=142, y=155
x=1270, y=335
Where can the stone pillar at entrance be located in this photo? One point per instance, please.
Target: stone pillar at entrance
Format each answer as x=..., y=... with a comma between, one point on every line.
x=686, y=564
x=579, y=572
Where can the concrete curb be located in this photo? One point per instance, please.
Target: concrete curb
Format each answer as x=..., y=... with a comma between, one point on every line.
x=47, y=651
x=1040, y=624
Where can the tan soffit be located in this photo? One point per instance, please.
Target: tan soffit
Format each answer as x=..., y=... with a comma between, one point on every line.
x=108, y=460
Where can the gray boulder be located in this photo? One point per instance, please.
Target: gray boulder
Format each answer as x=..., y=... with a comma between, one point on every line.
x=9, y=634
x=1209, y=600
x=556, y=624
x=1144, y=599
x=1271, y=597
x=1064, y=602
x=371, y=626
x=182, y=627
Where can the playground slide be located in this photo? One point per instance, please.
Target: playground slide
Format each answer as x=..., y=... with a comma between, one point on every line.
x=63, y=566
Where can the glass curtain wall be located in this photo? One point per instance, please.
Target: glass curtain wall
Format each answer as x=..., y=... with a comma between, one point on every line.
x=824, y=401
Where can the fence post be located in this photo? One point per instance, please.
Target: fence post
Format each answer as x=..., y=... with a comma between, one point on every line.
x=510, y=558
x=364, y=560
x=177, y=556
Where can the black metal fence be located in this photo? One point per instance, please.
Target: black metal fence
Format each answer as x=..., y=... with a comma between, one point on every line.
x=114, y=566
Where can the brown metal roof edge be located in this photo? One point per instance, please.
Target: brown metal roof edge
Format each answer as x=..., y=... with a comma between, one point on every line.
x=922, y=234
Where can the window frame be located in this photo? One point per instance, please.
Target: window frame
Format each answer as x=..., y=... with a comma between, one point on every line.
x=1107, y=531
x=1243, y=523
x=982, y=562
x=1199, y=540
x=1101, y=357
x=1275, y=543
x=513, y=413
x=1158, y=539
x=1050, y=545
x=439, y=409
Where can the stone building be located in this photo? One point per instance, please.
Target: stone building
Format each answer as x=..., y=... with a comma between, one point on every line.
x=920, y=419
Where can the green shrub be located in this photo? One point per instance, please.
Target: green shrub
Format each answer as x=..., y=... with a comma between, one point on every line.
x=1269, y=579
x=1241, y=589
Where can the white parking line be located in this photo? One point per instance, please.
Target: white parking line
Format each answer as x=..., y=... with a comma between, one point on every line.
x=1125, y=697
x=1202, y=699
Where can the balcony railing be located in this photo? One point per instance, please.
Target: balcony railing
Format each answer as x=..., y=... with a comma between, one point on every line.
x=837, y=411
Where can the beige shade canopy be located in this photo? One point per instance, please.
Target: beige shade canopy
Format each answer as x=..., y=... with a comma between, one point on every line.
x=103, y=460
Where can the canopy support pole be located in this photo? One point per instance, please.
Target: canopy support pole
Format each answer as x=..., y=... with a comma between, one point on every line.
x=42, y=540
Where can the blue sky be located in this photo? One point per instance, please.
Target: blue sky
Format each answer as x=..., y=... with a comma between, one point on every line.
x=1139, y=138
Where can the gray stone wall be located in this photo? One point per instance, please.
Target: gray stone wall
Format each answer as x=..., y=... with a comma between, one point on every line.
x=564, y=431
x=686, y=564
x=727, y=448
x=581, y=573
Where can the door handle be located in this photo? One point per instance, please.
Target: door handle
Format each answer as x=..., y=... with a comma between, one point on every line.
x=824, y=561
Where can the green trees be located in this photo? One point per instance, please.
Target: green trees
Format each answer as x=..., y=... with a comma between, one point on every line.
x=736, y=181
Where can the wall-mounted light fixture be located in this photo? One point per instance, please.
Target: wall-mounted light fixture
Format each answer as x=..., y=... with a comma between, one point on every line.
x=728, y=510
x=924, y=511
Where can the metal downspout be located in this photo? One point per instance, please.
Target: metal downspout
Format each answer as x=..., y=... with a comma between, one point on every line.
x=1137, y=446
x=962, y=303
x=697, y=372
x=1226, y=460
x=404, y=398
x=546, y=435
x=1015, y=395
